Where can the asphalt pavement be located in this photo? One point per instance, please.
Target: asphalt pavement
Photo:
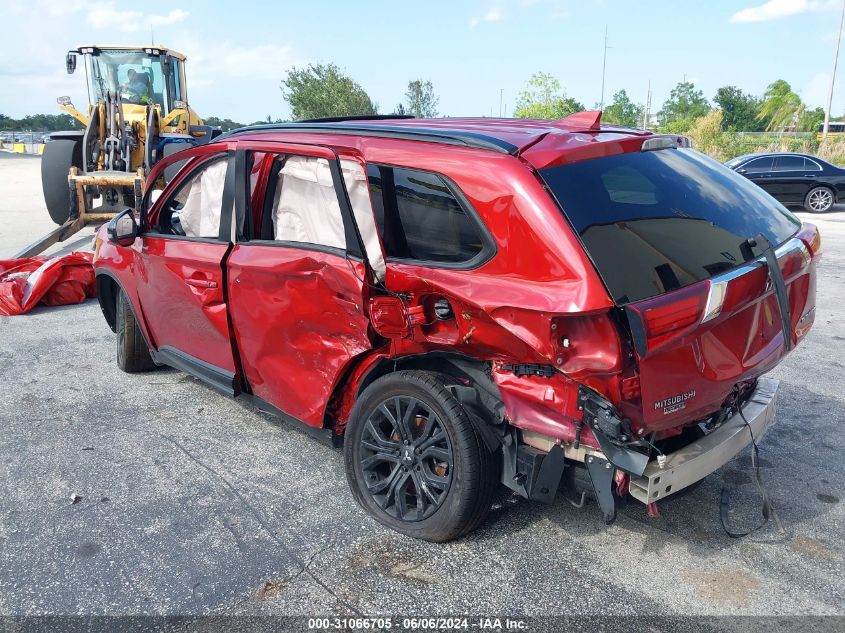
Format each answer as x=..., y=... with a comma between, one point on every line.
x=153, y=494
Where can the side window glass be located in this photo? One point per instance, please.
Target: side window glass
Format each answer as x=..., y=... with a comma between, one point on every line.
x=759, y=165
x=789, y=163
x=811, y=165
x=193, y=210
x=419, y=217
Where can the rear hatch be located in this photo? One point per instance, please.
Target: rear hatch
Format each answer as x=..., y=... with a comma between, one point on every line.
x=672, y=234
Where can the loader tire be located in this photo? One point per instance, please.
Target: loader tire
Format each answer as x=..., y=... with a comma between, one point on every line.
x=59, y=156
x=133, y=355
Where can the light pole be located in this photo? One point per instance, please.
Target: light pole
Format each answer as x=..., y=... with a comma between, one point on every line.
x=603, y=68
x=833, y=77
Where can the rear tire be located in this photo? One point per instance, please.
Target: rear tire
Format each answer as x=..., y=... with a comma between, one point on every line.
x=59, y=156
x=133, y=355
x=819, y=200
x=434, y=489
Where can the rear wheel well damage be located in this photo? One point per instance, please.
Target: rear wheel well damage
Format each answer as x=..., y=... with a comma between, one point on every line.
x=528, y=471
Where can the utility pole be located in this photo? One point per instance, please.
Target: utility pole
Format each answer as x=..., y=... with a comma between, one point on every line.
x=833, y=76
x=646, y=112
x=501, y=96
x=603, y=68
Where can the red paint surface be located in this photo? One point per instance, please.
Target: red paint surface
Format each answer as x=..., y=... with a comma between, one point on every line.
x=188, y=317
x=298, y=319
x=304, y=347
x=740, y=344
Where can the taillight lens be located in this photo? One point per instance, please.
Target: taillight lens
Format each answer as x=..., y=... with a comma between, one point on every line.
x=809, y=234
x=673, y=314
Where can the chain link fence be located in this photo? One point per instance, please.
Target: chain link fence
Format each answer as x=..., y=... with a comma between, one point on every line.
x=23, y=142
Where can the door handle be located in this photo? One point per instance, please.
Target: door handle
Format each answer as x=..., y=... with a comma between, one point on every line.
x=205, y=284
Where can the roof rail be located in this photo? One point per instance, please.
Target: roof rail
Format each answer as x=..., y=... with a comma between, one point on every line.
x=356, y=117
x=430, y=135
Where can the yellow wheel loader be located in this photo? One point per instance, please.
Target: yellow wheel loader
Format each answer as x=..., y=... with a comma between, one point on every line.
x=138, y=113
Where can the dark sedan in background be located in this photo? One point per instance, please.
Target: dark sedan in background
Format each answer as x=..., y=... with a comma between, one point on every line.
x=794, y=179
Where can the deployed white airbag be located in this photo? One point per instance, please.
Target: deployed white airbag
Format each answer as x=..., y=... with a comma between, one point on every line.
x=200, y=217
x=306, y=208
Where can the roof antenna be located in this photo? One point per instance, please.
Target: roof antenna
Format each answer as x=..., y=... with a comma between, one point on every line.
x=152, y=36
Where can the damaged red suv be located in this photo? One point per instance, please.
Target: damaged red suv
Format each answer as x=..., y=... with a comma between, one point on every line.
x=468, y=303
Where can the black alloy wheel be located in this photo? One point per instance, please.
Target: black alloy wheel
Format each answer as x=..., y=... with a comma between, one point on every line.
x=406, y=458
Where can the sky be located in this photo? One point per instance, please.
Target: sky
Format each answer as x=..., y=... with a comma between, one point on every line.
x=474, y=52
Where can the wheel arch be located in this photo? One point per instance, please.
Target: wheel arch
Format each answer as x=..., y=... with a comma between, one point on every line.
x=473, y=385
x=109, y=288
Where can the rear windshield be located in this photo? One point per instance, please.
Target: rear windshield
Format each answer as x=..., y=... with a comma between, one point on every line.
x=660, y=220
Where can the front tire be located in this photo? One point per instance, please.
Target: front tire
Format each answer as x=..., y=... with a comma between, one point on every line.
x=59, y=156
x=414, y=459
x=133, y=355
x=819, y=200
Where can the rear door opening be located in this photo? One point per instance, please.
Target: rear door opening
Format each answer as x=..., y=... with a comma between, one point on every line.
x=672, y=234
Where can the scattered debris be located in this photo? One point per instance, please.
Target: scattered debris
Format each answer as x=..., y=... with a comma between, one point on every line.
x=270, y=588
x=75, y=498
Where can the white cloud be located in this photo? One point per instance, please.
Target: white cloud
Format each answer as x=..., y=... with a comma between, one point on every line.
x=774, y=9
x=106, y=15
x=494, y=14
x=770, y=10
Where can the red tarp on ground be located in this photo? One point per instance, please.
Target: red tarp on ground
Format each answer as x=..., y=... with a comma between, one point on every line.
x=24, y=283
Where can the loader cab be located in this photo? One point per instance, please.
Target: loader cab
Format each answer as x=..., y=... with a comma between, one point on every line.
x=141, y=76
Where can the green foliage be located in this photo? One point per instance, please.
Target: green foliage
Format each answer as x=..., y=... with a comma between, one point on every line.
x=781, y=108
x=678, y=126
x=707, y=136
x=400, y=110
x=422, y=102
x=322, y=90
x=623, y=111
x=39, y=123
x=543, y=98
x=224, y=124
x=739, y=110
x=684, y=103
x=810, y=120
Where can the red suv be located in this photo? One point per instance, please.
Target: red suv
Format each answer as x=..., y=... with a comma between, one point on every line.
x=547, y=305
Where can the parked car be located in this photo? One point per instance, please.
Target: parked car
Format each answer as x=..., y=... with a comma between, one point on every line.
x=468, y=303
x=794, y=179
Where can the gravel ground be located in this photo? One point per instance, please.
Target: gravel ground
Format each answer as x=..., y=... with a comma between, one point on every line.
x=190, y=503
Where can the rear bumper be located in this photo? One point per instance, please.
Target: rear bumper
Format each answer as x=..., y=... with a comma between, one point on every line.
x=697, y=460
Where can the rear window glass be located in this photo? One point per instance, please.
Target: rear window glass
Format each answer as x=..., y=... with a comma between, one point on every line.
x=656, y=221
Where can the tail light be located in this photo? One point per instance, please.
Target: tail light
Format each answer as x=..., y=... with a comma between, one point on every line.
x=812, y=239
x=655, y=322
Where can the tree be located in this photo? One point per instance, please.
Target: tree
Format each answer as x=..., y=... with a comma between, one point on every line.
x=810, y=120
x=684, y=105
x=40, y=123
x=224, y=124
x=781, y=108
x=623, y=111
x=400, y=110
x=422, y=102
x=543, y=98
x=739, y=110
x=321, y=90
